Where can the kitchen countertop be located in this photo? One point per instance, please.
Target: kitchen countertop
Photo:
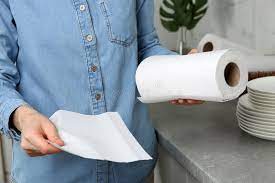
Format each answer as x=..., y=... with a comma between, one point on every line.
x=206, y=140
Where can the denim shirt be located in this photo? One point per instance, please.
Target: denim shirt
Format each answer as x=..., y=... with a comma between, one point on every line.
x=76, y=55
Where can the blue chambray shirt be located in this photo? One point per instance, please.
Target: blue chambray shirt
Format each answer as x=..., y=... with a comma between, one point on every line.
x=76, y=55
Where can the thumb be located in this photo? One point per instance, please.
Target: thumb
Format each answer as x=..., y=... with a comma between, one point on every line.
x=51, y=133
x=193, y=51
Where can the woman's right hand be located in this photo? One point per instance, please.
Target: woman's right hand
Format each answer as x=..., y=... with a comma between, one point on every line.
x=36, y=130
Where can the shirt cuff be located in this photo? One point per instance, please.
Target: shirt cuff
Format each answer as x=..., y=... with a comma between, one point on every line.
x=6, y=110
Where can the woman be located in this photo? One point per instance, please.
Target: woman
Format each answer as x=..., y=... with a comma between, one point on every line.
x=80, y=56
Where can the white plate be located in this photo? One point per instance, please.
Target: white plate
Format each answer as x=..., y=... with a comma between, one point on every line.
x=266, y=102
x=245, y=102
x=257, y=110
x=260, y=105
x=255, y=121
x=256, y=125
x=253, y=133
x=258, y=131
x=261, y=128
x=259, y=93
x=256, y=114
x=265, y=84
x=261, y=97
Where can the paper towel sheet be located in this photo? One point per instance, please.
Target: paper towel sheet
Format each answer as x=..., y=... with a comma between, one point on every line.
x=255, y=61
x=101, y=137
x=211, y=76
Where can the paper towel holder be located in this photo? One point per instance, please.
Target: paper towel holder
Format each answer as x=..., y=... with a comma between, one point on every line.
x=232, y=74
x=208, y=47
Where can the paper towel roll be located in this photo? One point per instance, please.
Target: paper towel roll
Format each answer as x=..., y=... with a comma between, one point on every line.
x=211, y=76
x=211, y=42
x=255, y=62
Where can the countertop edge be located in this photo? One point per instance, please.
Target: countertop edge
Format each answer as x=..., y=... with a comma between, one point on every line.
x=184, y=161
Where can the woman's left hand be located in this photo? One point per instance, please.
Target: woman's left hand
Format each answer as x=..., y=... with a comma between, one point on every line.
x=187, y=101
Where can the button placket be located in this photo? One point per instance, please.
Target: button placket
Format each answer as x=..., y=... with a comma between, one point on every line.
x=85, y=21
x=98, y=104
x=96, y=84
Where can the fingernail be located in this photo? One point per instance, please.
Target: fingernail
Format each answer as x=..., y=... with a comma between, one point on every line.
x=180, y=101
x=60, y=142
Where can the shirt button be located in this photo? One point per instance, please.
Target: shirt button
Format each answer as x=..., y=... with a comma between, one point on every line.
x=94, y=68
x=89, y=38
x=82, y=7
x=98, y=96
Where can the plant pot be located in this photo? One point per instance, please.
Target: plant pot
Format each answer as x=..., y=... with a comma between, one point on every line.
x=182, y=48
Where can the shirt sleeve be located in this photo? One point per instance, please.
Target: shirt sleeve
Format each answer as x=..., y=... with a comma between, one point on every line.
x=148, y=41
x=10, y=99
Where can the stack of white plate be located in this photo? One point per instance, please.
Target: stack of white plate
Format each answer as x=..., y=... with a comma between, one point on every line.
x=256, y=110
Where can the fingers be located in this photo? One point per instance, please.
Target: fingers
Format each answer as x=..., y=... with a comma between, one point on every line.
x=51, y=133
x=179, y=101
x=30, y=149
x=193, y=51
x=34, y=153
x=37, y=130
x=194, y=102
x=40, y=144
x=27, y=146
x=186, y=102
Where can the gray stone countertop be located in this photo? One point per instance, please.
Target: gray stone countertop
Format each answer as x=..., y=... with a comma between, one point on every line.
x=206, y=140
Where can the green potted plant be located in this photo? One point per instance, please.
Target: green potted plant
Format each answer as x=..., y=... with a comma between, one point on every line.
x=182, y=16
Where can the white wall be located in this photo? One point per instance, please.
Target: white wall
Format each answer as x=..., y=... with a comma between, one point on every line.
x=247, y=22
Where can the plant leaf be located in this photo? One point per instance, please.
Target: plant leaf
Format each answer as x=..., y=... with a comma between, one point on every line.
x=168, y=4
x=200, y=3
x=184, y=18
x=185, y=13
x=201, y=12
x=170, y=25
x=165, y=14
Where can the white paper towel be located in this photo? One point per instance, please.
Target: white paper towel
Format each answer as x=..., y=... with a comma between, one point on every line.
x=102, y=137
x=211, y=76
x=211, y=42
x=255, y=61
